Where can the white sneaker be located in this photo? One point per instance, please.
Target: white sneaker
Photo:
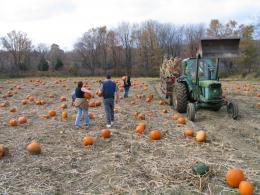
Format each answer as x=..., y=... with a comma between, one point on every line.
x=108, y=126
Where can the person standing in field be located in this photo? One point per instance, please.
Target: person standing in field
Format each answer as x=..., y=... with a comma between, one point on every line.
x=127, y=85
x=81, y=104
x=109, y=91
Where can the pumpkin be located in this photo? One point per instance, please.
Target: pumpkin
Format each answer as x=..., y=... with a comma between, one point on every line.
x=12, y=110
x=62, y=98
x=87, y=95
x=12, y=122
x=22, y=120
x=155, y=135
x=141, y=116
x=105, y=133
x=245, y=188
x=148, y=99
x=91, y=115
x=98, y=103
x=38, y=102
x=24, y=102
x=175, y=116
x=139, y=129
x=234, y=177
x=52, y=113
x=99, y=93
x=92, y=104
x=64, y=115
x=141, y=124
x=34, y=148
x=87, y=140
x=200, y=136
x=188, y=132
x=161, y=102
x=258, y=95
x=42, y=102
x=164, y=111
x=31, y=98
x=2, y=150
x=181, y=120
x=4, y=104
x=258, y=103
x=63, y=106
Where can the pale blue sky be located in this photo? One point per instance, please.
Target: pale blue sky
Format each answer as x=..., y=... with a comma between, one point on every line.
x=64, y=21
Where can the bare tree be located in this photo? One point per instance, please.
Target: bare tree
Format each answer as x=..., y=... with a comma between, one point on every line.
x=19, y=46
x=126, y=39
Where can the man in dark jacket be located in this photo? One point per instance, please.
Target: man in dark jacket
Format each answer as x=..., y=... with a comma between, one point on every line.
x=110, y=94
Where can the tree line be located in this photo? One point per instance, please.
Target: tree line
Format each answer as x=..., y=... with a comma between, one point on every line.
x=134, y=49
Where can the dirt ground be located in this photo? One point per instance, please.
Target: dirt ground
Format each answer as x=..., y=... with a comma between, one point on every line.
x=126, y=163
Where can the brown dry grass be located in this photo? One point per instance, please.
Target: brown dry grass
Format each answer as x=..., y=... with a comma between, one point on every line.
x=126, y=163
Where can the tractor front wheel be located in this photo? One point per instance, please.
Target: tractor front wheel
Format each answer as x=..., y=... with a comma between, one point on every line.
x=180, y=97
x=191, y=111
x=232, y=109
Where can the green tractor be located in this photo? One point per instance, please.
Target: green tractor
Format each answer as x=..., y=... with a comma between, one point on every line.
x=198, y=86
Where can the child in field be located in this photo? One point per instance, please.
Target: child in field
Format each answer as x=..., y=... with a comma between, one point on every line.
x=127, y=85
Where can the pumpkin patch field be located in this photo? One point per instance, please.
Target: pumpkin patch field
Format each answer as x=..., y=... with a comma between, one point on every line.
x=150, y=149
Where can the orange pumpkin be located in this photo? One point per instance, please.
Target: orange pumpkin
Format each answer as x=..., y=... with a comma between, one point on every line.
x=64, y=115
x=91, y=115
x=42, y=102
x=22, y=120
x=139, y=129
x=188, y=132
x=99, y=93
x=12, y=110
x=2, y=150
x=31, y=98
x=181, y=120
x=161, y=102
x=87, y=95
x=141, y=116
x=34, y=148
x=105, y=133
x=175, y=116
x=141, y=124
x=92, y=104
x=258, y=103
x=24, y=102
x=258, y=95
x=12, y=122
x=87, y=140
x=155, y=135
x=98, y=103
x=148, y=99
x=52, y=113
x=62, y=98
x=234, y=177
x=200, y=136
x=245, y=188
x=164, y=111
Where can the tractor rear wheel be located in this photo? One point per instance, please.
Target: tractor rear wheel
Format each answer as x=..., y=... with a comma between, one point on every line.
x=232, y=109
x=191, y=111
x=180, y=97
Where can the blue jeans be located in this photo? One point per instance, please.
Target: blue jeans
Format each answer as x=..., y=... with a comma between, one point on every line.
x=79, y=113
x=126, y=92
x=109, y=109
